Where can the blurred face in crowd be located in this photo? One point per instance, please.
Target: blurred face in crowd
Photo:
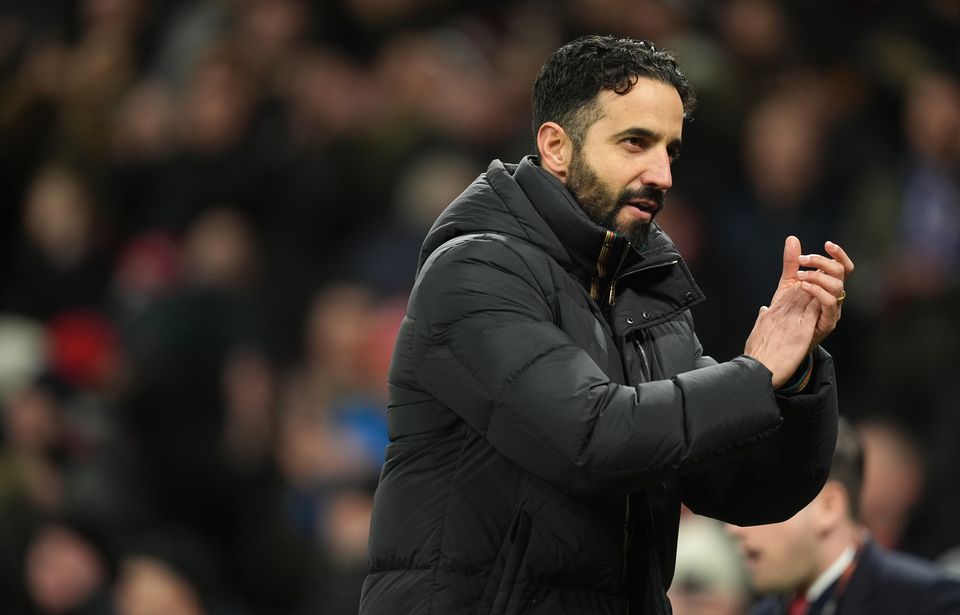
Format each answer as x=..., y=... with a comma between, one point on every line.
x=788, y=556
x=621, y=171
x=63, y=570
x=753, y=30
x=892, y=480
x=58, y=216
x=932, y=117
x=217, y=108
x=782, y=150
x=219, y=250
x=149, y=587
x=780, y=557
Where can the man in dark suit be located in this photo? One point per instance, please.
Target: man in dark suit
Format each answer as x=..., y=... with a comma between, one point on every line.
x=822, y=562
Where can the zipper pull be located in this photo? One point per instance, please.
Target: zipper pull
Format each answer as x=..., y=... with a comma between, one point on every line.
x=612, y=298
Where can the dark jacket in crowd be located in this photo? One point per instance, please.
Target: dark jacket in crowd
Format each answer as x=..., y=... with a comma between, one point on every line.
x=550, y=409
x=882, y=583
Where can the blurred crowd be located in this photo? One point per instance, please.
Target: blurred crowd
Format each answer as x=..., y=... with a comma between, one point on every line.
x=211, y=212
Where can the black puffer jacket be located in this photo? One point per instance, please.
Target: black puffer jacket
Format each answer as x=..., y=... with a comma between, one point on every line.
x=551, y=408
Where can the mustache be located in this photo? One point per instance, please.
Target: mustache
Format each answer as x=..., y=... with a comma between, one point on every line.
x=649, y=193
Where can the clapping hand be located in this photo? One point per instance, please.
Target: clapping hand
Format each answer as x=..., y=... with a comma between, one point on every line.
x=804, y=309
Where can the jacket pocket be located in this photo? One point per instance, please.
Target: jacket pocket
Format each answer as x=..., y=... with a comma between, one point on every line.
x=507, y=586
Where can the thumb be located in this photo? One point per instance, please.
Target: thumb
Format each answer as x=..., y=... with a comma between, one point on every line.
x=791, y=258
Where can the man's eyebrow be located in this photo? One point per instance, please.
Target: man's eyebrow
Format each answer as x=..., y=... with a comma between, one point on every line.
x=635, y=131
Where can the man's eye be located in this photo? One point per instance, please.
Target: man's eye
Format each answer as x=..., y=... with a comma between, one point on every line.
x=635, y=141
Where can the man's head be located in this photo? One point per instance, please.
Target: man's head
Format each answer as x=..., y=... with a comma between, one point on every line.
x=608, y=116
x=788, y=556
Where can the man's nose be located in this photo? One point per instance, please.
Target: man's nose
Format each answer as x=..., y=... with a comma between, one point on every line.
x=658, y=171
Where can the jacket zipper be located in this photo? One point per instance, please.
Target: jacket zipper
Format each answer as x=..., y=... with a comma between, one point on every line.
x=644, y=364
x=645, y=369
x=626, y=539
x=648, y=267
x=612, y=298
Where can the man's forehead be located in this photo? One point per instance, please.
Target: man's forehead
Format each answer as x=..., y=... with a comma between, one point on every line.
x=647, y=102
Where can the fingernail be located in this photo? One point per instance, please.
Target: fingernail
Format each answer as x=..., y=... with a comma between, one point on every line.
x=804, y=258
x=831, y=245
x=801, y=274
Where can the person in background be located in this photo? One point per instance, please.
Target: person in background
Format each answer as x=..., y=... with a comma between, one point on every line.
x=710, y=578
x=822, y=562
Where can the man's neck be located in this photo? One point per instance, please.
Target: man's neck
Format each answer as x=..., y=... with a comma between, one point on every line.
x=829, y=575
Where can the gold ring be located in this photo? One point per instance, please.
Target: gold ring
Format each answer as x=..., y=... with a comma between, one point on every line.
x=843, y=295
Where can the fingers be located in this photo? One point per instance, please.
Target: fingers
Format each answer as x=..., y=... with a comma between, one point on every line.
x=839, y=266
x=791, y=258
x=827, y=300
x=827, y=265
x=840, y=256
x=830, y=283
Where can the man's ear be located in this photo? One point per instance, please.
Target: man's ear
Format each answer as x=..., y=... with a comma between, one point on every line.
x=556, y=149
x=832, y=507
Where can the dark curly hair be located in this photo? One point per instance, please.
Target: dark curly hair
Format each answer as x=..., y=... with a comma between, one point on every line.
x=566, y=89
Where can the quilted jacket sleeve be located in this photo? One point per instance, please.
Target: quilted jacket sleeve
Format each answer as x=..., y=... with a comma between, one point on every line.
x=779, y=476
x=486, y=346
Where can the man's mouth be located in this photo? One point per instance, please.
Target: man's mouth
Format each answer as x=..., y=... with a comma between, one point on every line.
x=645, y=209
x=648, y=205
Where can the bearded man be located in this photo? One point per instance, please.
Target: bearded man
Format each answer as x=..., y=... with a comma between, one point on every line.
x=550, y=404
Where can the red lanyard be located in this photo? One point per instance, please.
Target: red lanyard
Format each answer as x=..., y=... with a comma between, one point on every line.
x=799, y=605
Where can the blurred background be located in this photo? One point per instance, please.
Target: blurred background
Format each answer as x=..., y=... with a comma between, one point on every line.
x=209, y=222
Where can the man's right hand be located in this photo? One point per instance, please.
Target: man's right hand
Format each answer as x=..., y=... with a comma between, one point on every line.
x=783, y=333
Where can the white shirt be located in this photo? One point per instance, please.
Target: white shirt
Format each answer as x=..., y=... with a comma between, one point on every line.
x=831, y=574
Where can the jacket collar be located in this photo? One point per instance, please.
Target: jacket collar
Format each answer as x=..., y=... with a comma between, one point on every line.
x=526, y=201
x=598, y=255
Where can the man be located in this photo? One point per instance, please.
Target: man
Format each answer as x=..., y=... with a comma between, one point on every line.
x=550, y=405
x=820, y=562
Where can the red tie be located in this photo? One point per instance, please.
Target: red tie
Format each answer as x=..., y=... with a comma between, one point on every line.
x=798, y=606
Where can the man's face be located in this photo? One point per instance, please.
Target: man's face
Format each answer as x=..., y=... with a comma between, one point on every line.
x=621, y=172
x=780, y=557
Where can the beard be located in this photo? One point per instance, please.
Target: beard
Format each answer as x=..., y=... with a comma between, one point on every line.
x=602, y=206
